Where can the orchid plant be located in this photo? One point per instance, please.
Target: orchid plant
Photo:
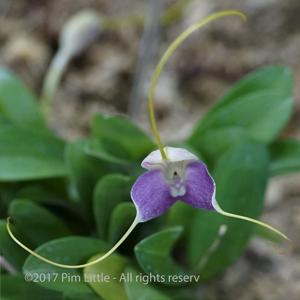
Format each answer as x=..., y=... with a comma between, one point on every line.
x=176, y=184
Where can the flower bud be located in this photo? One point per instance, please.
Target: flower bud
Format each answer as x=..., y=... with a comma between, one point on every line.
x=79, y=32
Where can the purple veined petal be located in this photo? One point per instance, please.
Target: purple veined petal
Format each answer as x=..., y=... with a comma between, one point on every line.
x=200, y=186
x=151, y=195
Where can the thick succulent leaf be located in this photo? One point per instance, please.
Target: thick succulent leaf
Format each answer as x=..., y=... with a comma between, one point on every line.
x=120, y=220
x=109, y=273
x=100, y=149
x=26, y=156
x=84, y=172
x=275, y=78
x=120, y=138
x=285, y=156
x=241, y=175
x=254, y=112
x=181, y=214
x=69, y=250
x=18, y=105
x=35, y=223
x=16, y=288
x=137, y=290
x=154, y=254
x=50, y=192
x=110, y=190
x=10, y=250
x=249, y=108
x=217, y=141
x=267, y=235
x=71, y=296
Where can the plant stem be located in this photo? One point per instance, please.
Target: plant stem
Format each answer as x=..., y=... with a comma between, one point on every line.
x=7, y=266
x=52, y=80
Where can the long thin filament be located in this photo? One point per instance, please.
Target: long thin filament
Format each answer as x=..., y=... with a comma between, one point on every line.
x=248, y=219
x=166, y=56
x=49, y=261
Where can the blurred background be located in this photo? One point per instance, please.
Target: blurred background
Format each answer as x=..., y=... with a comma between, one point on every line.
x=112, y=76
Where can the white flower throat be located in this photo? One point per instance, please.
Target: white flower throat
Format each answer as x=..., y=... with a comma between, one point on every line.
x=174, y=168
x=174, y=173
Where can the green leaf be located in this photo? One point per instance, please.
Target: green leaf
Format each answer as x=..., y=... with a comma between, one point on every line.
x=120, y=220
x=16, y=288
x=274, y=78
x=119, y=138
x=181, y=214
x=248, y=109
x=35, y=223
x=9, y=249
x=84, y=172
x=104, y=277
x=285, y=157
x=241, y=175
x=267, y=235
x=18, y=105
x=81, y=297
x=69, y=250
x=26, y=156
x=49, y=192
x=111, y=190
x=136, y=290
x=154, y=254
x=100, y=149
x=215, y=142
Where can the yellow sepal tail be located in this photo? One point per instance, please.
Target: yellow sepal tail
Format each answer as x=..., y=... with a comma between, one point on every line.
x=257, y=222
x=166, y=56
x=49, y=261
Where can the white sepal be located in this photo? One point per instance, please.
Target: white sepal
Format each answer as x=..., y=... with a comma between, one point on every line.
x=154, y=159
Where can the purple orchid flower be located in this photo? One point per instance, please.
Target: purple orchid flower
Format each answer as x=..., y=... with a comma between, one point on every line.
x=179, y=176
x=182, y=177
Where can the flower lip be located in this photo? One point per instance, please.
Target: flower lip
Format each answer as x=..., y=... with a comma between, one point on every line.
x=154, y=160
